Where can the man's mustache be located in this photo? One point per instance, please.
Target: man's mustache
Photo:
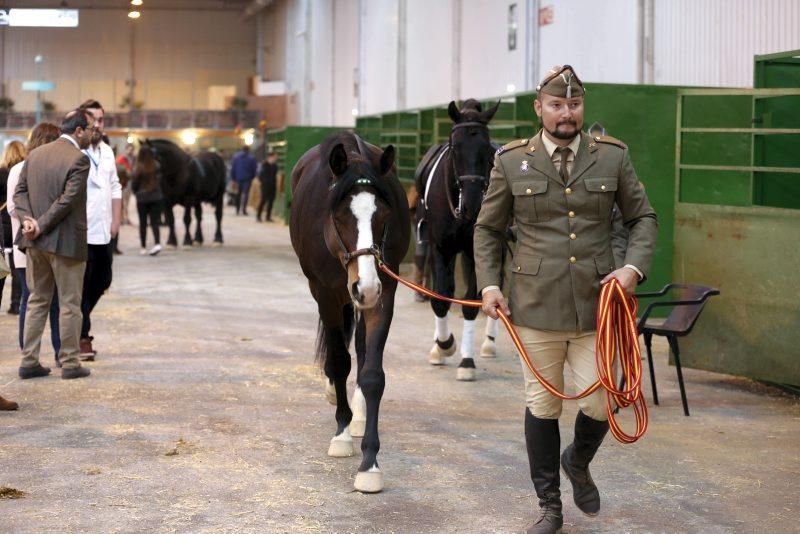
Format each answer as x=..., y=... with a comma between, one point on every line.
x=572, y=123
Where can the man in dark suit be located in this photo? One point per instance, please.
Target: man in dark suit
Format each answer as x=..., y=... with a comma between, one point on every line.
x=50, y=203
x=268, y=177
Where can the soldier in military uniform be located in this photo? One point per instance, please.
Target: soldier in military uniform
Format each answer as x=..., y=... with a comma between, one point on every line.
x=559, y=187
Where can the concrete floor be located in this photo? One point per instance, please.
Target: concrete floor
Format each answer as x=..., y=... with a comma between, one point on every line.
x=205, y=413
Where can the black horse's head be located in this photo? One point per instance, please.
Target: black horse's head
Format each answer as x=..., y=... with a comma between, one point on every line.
x=472, y=154
x=172, y=163
x=360, y=206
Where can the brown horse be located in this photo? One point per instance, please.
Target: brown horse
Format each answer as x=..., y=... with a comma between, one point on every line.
x=349, y=211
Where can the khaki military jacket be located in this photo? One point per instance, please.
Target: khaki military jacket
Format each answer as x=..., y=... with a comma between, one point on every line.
x=563, y=229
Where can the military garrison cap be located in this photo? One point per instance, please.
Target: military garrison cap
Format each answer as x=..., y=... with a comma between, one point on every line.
x=562, y=82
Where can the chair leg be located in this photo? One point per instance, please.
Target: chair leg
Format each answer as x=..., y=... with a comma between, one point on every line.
x=648, y=343
x=673, y=343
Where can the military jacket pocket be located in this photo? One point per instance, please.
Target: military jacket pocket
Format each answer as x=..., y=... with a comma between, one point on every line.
x=531, y=200
x=601, y=193
x=525, y=264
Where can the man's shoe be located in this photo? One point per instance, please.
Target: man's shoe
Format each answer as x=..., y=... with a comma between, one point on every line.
x=33, y=372
x=7, y=405
x=575, y=461
x=75, y=372
x=155, y=250
x=550, y=521
x=87, y=352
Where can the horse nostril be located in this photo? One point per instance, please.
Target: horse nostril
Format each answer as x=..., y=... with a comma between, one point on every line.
x=354, y=290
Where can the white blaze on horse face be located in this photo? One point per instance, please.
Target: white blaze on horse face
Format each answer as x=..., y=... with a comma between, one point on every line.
x=369, y=286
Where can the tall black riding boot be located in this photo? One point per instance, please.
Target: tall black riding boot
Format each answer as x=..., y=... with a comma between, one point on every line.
x=544, y=442
x=575, y=461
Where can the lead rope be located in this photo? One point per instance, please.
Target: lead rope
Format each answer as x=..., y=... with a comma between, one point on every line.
x=616, y=332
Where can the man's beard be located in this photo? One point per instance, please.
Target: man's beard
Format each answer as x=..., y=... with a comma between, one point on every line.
x=562, y=135
x=97, y=136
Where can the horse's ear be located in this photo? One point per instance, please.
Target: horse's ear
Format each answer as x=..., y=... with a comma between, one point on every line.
x=489, y=113
x=387, y=159
x=338, y=160
x=452, y=110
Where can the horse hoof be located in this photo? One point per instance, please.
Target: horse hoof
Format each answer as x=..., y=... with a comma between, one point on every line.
x=171, y=247
x=216, y=244
x=466, y=374
x=442, y=350
x=488, y=349
x=358, y=427
x=359, y=406
x=330, y=392
x=342, y=445
x=369, y=481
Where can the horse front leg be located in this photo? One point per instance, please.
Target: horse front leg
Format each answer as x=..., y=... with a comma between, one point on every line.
x=187, y=220
x=169, y=218
x=358, y=403
x=372, y=380
x=337, y=369
x=444, y=283
x=198, y=215
x=466, y=369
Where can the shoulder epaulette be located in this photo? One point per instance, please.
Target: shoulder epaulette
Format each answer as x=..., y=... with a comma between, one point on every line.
x=513, y=144
x=607, y=139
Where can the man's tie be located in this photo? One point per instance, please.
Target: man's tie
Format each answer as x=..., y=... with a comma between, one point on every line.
x=563, y=170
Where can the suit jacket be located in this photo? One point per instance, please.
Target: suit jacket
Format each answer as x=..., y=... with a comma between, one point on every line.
x=52, y=190
x=563, y=230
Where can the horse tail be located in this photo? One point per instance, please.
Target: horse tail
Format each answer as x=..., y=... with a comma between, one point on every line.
x=323, y=350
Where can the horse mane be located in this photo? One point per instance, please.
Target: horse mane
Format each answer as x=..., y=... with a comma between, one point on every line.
x=358, y=166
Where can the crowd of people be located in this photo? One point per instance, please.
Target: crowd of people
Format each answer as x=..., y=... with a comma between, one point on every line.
x=63, y=197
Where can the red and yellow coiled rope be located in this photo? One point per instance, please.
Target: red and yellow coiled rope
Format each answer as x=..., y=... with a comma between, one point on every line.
x=616, y=333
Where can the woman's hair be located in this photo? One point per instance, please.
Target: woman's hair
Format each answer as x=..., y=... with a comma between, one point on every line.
x=13, y=154
x=43, y=133
x=145, y=171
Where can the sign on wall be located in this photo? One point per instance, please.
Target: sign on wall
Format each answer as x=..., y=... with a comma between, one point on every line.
x=39, y=18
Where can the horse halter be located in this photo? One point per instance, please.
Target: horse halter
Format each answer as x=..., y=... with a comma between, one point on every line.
x=461, y=179
x=376, y=249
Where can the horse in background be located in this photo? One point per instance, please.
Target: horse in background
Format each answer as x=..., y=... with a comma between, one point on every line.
x=349, y=211
x=188, y=181
x=452, y=180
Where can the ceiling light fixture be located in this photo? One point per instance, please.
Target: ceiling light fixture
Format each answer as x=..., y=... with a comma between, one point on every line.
x=134, y=15
x=136, y=2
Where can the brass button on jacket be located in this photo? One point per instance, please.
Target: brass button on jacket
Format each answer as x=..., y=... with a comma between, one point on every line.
x=572, y=259
x=572, y=236
x=571, y=214
x=568, y=190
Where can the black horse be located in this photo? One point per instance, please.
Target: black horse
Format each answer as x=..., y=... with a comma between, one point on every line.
x=189, y=181
x=348, y=211
x=452, y=179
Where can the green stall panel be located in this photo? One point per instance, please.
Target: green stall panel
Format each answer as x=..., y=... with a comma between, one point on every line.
x=777, y=70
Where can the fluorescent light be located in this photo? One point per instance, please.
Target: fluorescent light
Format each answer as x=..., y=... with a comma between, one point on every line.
x=510, y=88
x=134, y=15
x=354, y=112
x=50, y=18
x=136, y=2
x=249, y=137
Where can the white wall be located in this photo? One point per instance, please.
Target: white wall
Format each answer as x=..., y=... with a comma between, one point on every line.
x=712, y=42
x=378, y=56
x=178, y=55
x=429, y=52
x=599, y=39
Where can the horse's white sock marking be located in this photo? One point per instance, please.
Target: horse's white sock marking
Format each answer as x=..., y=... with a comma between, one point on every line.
x=468, y=339
x=363, y=207
x=491, y=327
x=442, y=331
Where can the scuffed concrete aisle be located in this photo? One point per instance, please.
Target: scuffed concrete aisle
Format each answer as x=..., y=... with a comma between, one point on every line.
x=205, y=413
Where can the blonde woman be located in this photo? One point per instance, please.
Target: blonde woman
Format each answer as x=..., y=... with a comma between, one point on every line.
x=13, y=154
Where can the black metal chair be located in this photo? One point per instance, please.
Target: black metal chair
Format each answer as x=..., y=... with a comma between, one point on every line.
x=685, y=311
